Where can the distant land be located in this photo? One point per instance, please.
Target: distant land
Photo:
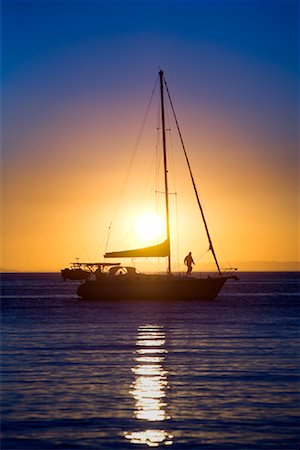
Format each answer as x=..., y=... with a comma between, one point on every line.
x=242, y=266
x=259, y=266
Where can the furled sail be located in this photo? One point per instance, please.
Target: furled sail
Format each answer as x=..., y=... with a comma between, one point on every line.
x=159, y=250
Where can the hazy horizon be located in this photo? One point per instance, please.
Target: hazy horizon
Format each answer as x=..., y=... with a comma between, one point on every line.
x=241, y=266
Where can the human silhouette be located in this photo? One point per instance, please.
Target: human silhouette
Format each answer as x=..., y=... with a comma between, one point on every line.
x=188, y=261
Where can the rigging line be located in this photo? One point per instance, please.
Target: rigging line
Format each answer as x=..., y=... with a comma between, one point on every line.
x=147, y=200
x=84, y=249
x=117, y=208
x=193, y=182
x=159, y=208
x=126, y=239
x=157, y=153
x=171, y=159
x=99, y=247
x=200, y=255
x=196, y=258
x=144, y=202
x=101, y=243
x=108, y=236
x=153, y=167
x=220, y=247
x=171, y=148
x=177, y=229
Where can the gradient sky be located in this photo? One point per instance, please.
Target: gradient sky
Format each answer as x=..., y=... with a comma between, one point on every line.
x=76, y=79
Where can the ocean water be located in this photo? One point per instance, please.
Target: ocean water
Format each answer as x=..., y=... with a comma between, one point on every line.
x=185, y=375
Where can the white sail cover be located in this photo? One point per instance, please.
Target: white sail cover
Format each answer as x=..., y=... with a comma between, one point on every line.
x=160, y=250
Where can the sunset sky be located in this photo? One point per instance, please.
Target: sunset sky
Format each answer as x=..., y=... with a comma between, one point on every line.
x=76, y=79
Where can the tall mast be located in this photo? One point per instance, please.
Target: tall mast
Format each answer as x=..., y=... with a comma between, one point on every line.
x=161, y=78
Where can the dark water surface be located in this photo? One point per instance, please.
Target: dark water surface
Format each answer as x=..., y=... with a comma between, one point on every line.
x=185, y=375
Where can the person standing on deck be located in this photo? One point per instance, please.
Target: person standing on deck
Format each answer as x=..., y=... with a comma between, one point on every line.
x=188, y=261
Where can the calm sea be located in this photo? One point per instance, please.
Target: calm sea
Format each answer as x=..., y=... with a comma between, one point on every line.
x=94, y=375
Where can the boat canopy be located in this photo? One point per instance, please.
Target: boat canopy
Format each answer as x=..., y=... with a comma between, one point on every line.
x=160, y=250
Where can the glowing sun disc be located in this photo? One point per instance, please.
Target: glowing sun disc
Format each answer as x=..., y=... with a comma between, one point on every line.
x=149, y=226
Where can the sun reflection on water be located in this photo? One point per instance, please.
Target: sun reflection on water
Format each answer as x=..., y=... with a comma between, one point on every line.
x=150, y=386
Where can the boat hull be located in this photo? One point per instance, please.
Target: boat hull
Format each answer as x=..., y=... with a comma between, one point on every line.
x=75, y=274
x=153, y=288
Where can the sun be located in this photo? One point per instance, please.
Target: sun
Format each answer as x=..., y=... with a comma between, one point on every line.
x=149, y=226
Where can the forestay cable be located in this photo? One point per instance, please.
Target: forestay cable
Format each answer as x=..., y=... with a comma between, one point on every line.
x=193, y=182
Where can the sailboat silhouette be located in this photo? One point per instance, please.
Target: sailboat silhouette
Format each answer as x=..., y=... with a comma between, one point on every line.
x=116, y=282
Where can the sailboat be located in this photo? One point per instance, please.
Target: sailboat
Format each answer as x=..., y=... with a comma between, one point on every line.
x=116, y=282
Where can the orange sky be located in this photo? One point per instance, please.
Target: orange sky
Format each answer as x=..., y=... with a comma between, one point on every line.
x=59, y=206
x=73, y=106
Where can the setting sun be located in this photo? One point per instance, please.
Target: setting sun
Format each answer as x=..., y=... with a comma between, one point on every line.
x=149, y=226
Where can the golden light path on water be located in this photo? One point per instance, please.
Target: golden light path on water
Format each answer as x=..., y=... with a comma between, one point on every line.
x=149, y=387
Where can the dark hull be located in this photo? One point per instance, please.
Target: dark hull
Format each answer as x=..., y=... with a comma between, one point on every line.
x=75, y=274
x=153, y=288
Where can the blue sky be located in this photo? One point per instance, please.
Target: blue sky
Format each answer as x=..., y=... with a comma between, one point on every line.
x=35, y=29
x=76, y=69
